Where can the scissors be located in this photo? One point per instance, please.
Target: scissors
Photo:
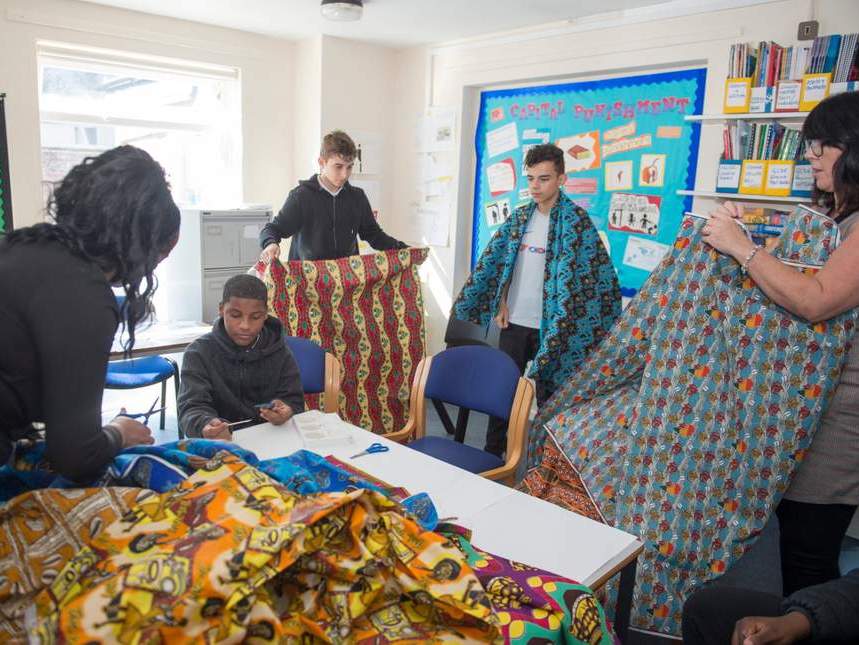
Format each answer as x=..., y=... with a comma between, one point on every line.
x=145, y=415
x=372, y=449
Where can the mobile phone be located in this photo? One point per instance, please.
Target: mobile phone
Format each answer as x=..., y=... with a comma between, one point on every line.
x=264, y=406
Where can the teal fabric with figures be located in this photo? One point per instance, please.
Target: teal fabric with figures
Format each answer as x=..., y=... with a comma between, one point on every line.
x=581, y=295
x=686, y=425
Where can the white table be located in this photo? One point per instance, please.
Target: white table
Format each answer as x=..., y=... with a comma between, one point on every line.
x=503, y=521
x=160, y=338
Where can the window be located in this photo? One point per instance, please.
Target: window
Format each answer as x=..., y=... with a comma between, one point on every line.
x=186, y=115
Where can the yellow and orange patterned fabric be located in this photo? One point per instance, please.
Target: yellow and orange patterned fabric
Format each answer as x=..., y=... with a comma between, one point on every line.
x=40, y=532
x=230, y=555
x=368, y=311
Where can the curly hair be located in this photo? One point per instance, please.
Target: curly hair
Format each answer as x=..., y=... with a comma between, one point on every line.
x=835, y=122
x=116, y=211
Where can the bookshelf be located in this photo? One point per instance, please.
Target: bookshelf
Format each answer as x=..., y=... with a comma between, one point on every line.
x=745, y=198
x=747, y=116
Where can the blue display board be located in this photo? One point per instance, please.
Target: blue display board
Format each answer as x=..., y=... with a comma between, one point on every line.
x=627, y=150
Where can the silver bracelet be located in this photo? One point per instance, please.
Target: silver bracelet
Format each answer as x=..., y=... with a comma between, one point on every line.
x=744, y=267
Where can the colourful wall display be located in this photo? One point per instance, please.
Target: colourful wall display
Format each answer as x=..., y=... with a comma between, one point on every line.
x=627, y=150
x=5, y=195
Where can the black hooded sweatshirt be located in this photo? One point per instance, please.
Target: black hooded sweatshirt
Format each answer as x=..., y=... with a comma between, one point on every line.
x=324, y=226
x=221, y=379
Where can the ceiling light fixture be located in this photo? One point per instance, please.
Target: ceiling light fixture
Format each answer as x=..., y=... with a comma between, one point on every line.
x=342, y=9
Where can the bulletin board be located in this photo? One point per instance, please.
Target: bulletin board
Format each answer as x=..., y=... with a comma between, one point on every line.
x=627, y=150
x=5, y=194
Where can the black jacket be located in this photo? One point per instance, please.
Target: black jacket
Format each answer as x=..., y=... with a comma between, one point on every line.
x=221, y=379
x=832, y=608
x=57, y=323
x=325, y=227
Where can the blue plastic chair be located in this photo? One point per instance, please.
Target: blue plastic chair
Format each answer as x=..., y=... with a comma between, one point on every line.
x=320, y=370
x=477, y=378
x=141, y=372
x=133, y=373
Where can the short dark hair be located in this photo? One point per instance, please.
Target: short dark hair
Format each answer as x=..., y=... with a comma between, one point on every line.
x=545, y=152
x=338, y=143
x=835, y=122
x=247, y=286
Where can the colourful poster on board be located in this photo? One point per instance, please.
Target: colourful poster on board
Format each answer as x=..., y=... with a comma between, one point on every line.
x=627, y=150
x=5, y=194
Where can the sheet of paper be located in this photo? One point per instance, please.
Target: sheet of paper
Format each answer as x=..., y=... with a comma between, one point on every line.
x=319, y=430
x=501, y=176
x=501, y=140
x=644, y=254
x=437, y=130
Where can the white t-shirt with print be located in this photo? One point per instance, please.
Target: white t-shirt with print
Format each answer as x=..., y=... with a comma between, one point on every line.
x=525, y=296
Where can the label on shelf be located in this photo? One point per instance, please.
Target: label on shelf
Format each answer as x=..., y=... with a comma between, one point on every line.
x=762, y=99
x=778, y=178
x=803, y=180
x=738, y=94
x=728, y=176
x=815, y=88
x=752, y=177
x=840, y=88
x=787, y=96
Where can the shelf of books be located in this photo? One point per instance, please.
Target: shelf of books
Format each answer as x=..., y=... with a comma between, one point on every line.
x=746, y=197
x=768, y=93
x=746, y=116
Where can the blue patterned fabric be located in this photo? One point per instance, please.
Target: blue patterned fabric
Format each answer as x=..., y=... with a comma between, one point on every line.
x=161, y=468
x=581, y=295
x=685, y=426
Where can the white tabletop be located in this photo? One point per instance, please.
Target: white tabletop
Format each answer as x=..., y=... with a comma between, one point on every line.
x=503, y=521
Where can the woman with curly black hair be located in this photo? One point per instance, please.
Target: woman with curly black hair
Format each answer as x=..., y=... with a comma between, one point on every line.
x=114, y=220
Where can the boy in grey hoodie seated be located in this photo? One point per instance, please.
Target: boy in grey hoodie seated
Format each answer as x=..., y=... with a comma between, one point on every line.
x=241, y=365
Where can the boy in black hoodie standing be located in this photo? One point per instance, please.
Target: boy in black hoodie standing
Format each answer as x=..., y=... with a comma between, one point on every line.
x=325, y=214
x=242, y=363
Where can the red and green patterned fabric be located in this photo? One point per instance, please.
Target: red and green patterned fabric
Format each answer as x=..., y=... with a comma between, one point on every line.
x=685, y=426
x=368, y=311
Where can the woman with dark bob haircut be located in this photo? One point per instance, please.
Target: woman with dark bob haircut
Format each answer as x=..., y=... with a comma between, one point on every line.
x=820, y=501
x=114, y=220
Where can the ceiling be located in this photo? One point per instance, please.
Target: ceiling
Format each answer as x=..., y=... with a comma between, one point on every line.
x=397, y=23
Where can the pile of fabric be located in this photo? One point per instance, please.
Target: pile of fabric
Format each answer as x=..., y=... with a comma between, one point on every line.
x=236, y=552
x=685, y=425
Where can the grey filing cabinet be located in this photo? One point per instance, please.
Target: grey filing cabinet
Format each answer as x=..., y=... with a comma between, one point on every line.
x=213, y=246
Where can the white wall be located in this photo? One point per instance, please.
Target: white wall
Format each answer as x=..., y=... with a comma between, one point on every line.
x=307, y=98
x=357, y=96
x=266, y=74
x=453, y=76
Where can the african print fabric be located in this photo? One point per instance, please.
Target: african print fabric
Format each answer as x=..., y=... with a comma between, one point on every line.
x=534, y=606
x=685, y=426
x=581, y=295
x=39, y=533
x=368, y=311
x=231, y=555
